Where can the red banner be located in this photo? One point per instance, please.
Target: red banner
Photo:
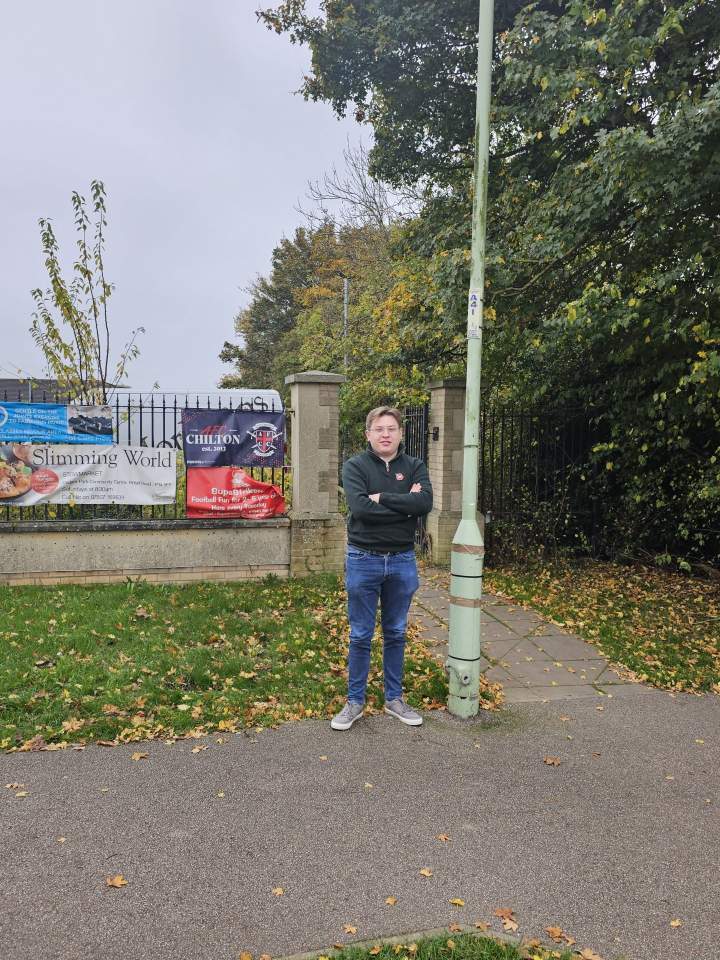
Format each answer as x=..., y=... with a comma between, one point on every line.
x=230, y=492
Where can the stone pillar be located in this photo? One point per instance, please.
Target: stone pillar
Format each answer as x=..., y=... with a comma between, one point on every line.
x=445, y=462
x=317, y=533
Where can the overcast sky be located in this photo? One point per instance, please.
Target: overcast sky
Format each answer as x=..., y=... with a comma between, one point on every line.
x=185, y=109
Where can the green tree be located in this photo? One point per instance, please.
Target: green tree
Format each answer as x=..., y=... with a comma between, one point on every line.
x=71, y=324
x=604, y=260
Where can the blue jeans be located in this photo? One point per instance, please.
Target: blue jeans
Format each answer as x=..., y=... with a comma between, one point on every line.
x=392, y=580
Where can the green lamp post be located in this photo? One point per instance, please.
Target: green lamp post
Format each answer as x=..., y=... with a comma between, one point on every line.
x=468, y=549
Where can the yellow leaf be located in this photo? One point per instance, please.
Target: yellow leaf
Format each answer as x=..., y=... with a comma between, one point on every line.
x=278, y=891
x=22, y=793
x=451, y=944
x=349, y=928
x=61, y=839
x=676, y=923
x=391, y=901
x=138, y=755
x=199, y=748
x=443, y=836
x=368, y=786
x=323, y=758
x=481, y=925
x=246, y=956
x=552, y=761
x=457, y=902
x=509, y=925
x=425, y=872
x=373, y=951
x=117, y=881
x=455, y=928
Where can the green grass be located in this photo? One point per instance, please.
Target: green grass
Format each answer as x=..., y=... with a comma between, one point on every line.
x=662, y=627
x=127, y=662
x=453, y=946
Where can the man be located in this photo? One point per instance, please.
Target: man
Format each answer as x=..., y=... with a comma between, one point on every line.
x=386, y=491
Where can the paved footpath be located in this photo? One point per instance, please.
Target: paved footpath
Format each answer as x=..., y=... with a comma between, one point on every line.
x=534, y=660
x=612, y=841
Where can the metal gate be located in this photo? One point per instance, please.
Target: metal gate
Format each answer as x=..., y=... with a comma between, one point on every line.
x=415, y=438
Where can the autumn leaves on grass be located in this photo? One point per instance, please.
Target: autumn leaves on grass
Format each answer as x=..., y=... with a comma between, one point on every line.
x=109, y=665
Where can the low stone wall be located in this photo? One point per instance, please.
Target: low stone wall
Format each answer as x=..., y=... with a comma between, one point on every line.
x=168, y=551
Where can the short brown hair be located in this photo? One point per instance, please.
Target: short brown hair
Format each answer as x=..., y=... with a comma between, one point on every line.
x=383, y=412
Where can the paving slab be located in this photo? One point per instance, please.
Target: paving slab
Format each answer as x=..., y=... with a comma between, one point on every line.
x=566, y=647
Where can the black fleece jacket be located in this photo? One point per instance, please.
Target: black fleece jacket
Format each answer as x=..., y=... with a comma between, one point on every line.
x=387, y=526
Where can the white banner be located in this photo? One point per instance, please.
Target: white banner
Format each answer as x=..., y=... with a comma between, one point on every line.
x=66, y=473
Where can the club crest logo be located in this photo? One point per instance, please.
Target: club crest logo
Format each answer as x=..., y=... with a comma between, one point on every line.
x=399, y=476
x=3, y=416
x=264, y=435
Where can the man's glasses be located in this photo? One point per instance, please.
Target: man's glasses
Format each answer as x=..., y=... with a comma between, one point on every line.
x=384, y=430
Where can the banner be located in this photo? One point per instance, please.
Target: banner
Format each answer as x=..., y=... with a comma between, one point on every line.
x=68, y=474
x=230, y=492
x=55, y=423
x=238, y=438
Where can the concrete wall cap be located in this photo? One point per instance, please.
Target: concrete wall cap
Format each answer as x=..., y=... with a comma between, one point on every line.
x=315, y=376
x=450, y=383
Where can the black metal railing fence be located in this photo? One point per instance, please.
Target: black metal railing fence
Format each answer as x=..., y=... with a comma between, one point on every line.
x=149, y=420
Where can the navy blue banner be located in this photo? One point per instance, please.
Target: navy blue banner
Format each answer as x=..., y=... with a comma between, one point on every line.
x=233, y=438
x=55, y=423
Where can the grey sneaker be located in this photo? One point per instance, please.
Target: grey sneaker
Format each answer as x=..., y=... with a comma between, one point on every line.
x=347, y=716
x=404, y=713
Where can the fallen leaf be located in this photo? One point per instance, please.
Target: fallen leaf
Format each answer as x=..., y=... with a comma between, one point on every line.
x=600, y=708
x=455, y=928
x=444, y=837
x=509, y=925
x=425, y=872
x=199, y=748
x=22, y=793
x=373, y=951
x=505, y=913
x=391, y=901
x=349, y=928
x=481, y=925
x=588, y=954
x=278, y=891
x=246, y=956
x=697, y=740
x=61, y=839
x=14, y=786
x=221, y=793
x=552, y=761
x=142, y=614
x=368, y=786
x=676, y=923
x=139, y=756
x=451, y=944
x=412, y=948
x=265, y=956
x=117, y=881
x=457, y=902
x=73, y=724
x=565, y=718
x=323, y=758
